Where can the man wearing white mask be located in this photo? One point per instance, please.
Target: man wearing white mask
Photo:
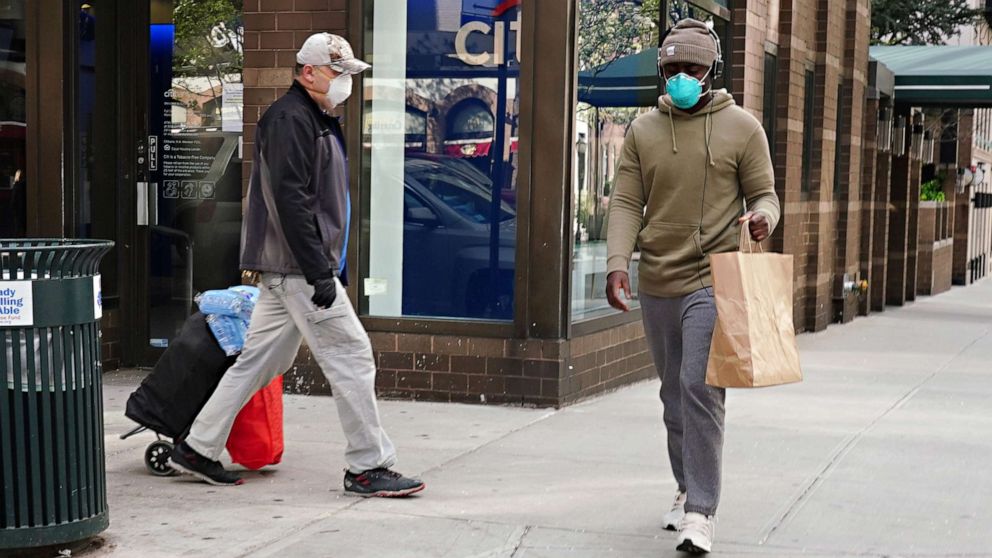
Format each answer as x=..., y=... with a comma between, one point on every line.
x=294, y=237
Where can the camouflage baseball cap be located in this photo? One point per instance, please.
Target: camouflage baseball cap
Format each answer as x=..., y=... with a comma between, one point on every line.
x=326, y=49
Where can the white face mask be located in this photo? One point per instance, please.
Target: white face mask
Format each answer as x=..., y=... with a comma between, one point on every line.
x=340, y=89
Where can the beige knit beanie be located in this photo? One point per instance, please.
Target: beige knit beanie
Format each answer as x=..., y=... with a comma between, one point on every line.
x=688, y=42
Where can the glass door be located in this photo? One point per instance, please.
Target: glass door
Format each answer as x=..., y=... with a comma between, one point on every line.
x=13, y=120
x=190, y=160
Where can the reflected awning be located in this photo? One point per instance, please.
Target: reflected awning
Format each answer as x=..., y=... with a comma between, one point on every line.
x=939, y=75
x=628, y=81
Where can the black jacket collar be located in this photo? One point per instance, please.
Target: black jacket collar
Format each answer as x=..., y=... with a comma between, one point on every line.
x=300, y=91
x=303, y=96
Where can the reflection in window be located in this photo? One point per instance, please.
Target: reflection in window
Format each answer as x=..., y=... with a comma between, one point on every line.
x=617, y=82
x=440, y=159
x=472, y=120
x=13, y=122
x=195, y=112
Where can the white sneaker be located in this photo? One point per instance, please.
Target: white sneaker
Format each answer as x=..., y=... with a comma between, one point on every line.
x=696, y=534
x=673, y=518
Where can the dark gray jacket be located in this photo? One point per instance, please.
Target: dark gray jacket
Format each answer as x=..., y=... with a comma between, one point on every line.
x=296, y=220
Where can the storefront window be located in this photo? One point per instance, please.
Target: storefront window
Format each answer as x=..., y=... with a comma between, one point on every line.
x=13, y=120
x=618, y=81
x=439, y=158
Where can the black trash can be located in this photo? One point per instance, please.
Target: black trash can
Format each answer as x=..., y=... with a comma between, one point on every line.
x=52, y=469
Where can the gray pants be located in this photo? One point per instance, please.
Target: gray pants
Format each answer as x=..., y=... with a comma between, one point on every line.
x=283, y=317
x=678, y=332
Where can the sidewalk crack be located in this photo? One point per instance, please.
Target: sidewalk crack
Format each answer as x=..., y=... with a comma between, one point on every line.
x=520, y=540
x=848, y=445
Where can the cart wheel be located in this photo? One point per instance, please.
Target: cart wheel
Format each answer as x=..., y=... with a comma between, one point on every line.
x=157, y=457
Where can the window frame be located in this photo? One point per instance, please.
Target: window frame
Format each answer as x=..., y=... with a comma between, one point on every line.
x=539, y=295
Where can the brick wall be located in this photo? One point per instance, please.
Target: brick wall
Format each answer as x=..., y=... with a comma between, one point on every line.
x=880, y=231
x=274, y=31
x=534, y=372
x=895, y=286
x=749, y=29
x=850, y=140
x=942, y=256
x=110, y=339
x=869, y=170
x=605, y=361
x=823, y=233
x=935, y=250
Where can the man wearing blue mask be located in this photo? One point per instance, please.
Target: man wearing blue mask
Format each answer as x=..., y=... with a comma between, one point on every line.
x=293, y=239
x=691, y=173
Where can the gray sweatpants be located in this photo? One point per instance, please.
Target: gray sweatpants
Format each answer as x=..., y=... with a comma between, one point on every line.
x=678, y=332
x=284, y=316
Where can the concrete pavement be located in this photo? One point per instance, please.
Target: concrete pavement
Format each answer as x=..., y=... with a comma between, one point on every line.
x=884, y=450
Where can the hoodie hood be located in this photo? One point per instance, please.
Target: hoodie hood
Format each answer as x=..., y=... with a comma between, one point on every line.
x=720, y=100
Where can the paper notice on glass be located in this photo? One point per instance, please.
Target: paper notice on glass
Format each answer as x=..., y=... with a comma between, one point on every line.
x=232, y=108
x=375, y=286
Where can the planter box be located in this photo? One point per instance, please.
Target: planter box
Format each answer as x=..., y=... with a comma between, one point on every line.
x=935, y=247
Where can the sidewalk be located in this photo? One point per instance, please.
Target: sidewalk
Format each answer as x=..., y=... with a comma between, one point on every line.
x=884, y=450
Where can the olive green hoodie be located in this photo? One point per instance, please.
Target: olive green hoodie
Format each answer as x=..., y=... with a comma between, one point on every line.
x=681, y=185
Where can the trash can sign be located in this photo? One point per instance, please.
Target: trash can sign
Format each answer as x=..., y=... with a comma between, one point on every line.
x=97, y=298
x=16, y=304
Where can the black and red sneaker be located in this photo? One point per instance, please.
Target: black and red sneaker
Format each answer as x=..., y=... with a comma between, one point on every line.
x=381, y=482
x=186, y=460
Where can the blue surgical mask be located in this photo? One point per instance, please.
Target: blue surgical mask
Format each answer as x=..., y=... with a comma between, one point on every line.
x=684, y=90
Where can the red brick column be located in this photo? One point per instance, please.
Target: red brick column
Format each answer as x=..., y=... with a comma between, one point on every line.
x=850, y=140
x=962, y=203
x=869, y=169
x=749, y=29
x=895, y=286
x=878, y=282
x=795, y=235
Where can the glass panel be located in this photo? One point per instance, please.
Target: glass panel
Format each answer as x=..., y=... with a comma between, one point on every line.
x=618, y=80
x=439, y=158
x=13, y=120
x=194, y=155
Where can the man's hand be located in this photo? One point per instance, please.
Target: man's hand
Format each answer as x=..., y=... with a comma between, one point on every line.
x=617, y=281
x=325, y=291
x=758, y=225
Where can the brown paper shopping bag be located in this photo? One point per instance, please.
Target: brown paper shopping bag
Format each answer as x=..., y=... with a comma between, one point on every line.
x=754, y=340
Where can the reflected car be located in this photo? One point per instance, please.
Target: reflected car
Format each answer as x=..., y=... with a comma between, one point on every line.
x=451, y=266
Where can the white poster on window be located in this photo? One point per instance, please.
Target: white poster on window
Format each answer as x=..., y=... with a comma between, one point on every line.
x=233, y=103
x=388, y=131
x=16, y=304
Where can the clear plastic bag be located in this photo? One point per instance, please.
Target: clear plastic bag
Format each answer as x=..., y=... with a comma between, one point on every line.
x=227, y=302
x=229, y=331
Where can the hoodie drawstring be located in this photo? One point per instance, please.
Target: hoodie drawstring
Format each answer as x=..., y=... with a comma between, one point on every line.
x=671, y=124
x=708, y=129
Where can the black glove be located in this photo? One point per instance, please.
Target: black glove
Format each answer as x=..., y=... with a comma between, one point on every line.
x=324, y=292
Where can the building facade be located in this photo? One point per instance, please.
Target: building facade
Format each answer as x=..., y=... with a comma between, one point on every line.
x=482, y=147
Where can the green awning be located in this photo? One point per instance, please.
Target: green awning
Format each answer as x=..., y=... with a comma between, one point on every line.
x=958, y=76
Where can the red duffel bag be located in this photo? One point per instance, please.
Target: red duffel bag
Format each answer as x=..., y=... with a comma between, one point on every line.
x=256, y=438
